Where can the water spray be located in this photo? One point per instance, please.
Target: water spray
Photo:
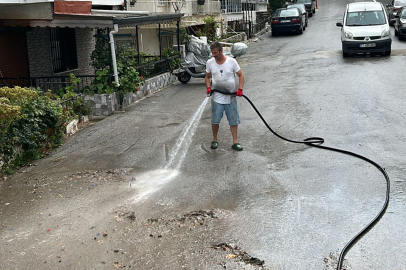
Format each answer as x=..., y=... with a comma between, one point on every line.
x=152, y=181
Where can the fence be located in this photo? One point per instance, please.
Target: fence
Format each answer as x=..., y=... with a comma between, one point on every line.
x=257, y=27
x=154, y=68
x=150, y=68
x=53, y=83
x=69, y=103
x=249, y=28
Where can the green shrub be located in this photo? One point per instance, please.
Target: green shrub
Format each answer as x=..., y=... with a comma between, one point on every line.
x=100, y=85
x=168, y=52
x=209, y=29
x=34, y=121
x=275, y=4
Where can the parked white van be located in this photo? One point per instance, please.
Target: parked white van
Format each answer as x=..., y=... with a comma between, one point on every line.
x=365, y=29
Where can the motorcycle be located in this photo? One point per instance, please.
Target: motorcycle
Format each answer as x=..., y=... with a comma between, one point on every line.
x=194, y=64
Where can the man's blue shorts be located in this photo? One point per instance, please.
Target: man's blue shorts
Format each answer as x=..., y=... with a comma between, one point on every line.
x=230, y=109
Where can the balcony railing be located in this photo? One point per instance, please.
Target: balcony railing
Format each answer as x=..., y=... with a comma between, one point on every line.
x=188, y=7
x=209, y=7
x=231, y=6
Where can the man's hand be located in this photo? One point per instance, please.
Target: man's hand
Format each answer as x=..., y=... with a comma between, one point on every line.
x=238, y=92
x=208, y=91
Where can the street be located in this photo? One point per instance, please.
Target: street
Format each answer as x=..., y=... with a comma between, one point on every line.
x=142, y=189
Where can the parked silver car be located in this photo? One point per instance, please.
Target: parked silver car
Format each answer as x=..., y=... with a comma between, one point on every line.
x=309, y=4
x=392, y=8
x=302, y=9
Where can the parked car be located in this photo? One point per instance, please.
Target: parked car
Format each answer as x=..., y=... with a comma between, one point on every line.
x=302, y=9
x=287, y=20
x=392, y=8
x=309, y=4
x=400, y=23
x=365, y=29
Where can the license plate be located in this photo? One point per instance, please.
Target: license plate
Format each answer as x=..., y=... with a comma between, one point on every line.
x=285, y=21
x=368, y=45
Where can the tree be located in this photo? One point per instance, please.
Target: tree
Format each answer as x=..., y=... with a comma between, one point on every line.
x=275, y=4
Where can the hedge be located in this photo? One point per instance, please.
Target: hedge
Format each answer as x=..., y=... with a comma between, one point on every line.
x=30, y=120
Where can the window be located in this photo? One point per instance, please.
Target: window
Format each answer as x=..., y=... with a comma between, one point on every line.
x=63, y=49
x=363, y=18
x=166, y=41
x=288, y=12
x=400, y=3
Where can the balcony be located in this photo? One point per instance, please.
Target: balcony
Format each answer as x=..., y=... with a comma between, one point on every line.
x=231, y=6
x=188, y=7
x=209, y=7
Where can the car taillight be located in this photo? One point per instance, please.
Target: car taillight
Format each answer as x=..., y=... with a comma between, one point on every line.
x=296, y=20
x=275, y=21
x=395, y=9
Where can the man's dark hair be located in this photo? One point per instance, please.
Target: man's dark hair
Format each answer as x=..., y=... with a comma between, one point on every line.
x=216, y=45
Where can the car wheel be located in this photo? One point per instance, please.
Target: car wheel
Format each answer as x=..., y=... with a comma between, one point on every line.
x=184, y=77
x=345, y=54
x=311, y=14
x=300, y=31
x=400, y=37
x=306, y=23
x=314, y=11
x=396, y=32
x=387, y=53
x=274, y=33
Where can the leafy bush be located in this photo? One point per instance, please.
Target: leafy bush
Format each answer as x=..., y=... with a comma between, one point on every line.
x=32, y=120
x=209, y=29
x=100, y=55
x=127, y=60
x=275, y=4
x=100, y=85
x=168, y=52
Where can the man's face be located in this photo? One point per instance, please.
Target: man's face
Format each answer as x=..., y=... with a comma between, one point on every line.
x=216, y=53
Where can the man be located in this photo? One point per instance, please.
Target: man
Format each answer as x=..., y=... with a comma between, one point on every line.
x=220, y=72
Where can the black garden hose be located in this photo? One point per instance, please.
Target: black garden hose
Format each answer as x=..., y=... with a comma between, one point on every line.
x=317, y=142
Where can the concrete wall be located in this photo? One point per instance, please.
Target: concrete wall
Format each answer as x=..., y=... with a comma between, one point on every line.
x=39, y=52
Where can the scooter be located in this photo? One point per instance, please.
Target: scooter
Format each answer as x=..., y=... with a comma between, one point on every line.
x=194, y=64
x=187, y=73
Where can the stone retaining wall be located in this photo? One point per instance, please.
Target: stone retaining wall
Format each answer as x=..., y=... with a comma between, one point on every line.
x=105, y=105
x=151, y=85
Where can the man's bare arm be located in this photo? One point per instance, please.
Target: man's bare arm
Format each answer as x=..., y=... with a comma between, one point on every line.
x=240, y=79
x=207, y=79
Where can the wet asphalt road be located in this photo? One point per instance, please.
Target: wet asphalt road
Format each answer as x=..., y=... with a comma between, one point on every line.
x=103, y=201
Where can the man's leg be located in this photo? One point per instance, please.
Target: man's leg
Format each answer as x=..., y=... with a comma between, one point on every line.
x=234, y=119
x=216, y=115
x=234, y=133
x=215, y=129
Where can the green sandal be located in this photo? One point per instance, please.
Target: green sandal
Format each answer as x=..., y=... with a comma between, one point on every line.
x=214, y=145
x=237, y=147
